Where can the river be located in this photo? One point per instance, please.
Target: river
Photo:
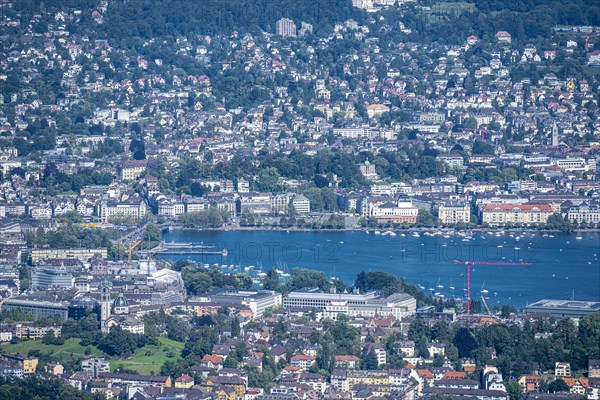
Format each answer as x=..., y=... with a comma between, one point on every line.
x=555, y=265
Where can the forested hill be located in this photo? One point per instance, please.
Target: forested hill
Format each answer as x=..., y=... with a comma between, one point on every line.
x=149, y=18
x=431, y=20
x=156, y=18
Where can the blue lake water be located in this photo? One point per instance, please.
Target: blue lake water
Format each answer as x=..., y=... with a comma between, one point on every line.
x=560, y=267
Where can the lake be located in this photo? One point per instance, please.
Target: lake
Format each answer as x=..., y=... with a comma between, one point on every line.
x=558, y=265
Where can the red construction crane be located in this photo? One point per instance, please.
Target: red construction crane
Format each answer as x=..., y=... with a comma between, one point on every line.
x=587, y=40
x=468, y=263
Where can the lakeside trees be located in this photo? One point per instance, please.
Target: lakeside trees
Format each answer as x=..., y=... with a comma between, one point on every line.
x=42, y=389
x=211, y=218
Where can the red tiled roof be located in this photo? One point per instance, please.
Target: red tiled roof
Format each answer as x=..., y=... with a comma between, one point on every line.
x=520, y=207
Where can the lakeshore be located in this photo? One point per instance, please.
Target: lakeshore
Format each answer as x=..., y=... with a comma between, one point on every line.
x=559, y=265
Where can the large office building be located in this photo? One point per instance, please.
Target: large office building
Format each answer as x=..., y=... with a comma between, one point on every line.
x=38, y=307
x=369, y=304
x=564, y=308
x=399, y=305
x=314, y=298
x=51, y=278
x=79, y=253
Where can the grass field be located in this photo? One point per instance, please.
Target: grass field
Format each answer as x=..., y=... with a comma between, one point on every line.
x=150, y=358
x=145, y=360
x=71, y=347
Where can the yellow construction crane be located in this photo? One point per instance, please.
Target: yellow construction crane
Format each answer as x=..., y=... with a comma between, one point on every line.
x=486, y=305
x=132, y=247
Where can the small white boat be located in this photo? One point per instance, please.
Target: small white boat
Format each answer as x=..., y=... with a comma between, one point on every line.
x=578, y=238
x=483, y=290
x=377, y=233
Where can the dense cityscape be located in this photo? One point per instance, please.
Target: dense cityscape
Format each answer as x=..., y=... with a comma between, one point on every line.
x=122, y=122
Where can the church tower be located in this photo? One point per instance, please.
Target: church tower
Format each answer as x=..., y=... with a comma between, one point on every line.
x=554, y=134
x=105, y=305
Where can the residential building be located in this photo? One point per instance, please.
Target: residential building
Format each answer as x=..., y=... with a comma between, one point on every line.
x=562, y=369
x=302, y=361
x=346, y=362
x=257, y=300
x=453, y=213
x=110, y=210
x=594, y=369
x=184, y=382
x=379, y=351
x=453, y=160
x=132, y=169
x=255, y=203
x=529, y=383
x=95, y=366
x=285, y=27
x=83, y=254
x=301, y=204
x=26, y=363
x=585, y=212
x=32, y=332
x=526, y=214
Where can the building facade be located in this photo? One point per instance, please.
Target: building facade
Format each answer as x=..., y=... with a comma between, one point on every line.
x=527, y=214
x=453, y=213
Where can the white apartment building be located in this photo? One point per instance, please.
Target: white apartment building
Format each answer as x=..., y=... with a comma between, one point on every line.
x=301, y=204
x=111, y=210
x=584, y=212
x=285, y=27
x=453, y=213
x=95, y=366
x=399, y=305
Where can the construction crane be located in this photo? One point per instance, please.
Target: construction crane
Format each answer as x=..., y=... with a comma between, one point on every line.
x=471, y=262
x=486, y=305
x=587, y=40
x=132, y=247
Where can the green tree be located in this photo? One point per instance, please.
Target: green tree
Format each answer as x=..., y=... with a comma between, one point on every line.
x=235, y=327
x=303, y=278
x=465, y=342
x=271, y=281
x=371, y=361
x=558, y=386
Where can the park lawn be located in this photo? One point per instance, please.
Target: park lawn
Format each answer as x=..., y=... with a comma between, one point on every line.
x=149, y=359
x=145, y=360
x=70, y=348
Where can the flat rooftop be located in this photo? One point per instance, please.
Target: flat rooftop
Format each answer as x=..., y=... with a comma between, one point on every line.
x=587, y=306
